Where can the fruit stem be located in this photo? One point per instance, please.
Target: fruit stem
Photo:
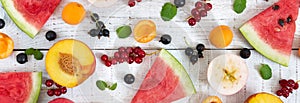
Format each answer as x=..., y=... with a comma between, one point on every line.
x=186, y=42
x=298, y=81
x=153, y=53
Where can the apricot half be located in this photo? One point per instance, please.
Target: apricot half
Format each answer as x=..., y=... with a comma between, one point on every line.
x=144, y=31
x=221, y=36
x=6, y=46
x=73, y=13
x=70, y=62
x=263, y=98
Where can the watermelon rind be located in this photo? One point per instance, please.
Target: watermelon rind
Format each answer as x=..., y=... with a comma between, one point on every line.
x=19, y=20
x=179, y=70
x=36, y=87
x=259, y=45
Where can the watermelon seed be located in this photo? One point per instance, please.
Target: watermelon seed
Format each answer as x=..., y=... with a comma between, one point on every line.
x=281, y=22
x=277, y=29
x=289, y=19
x=275, y=7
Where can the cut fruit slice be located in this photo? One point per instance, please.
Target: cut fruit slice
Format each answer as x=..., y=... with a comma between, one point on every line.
x=70, y=62
x=73, y=13
x=263, y=98
x=270, y=35
x=221, y=36
x=20, y=87
x=61, y=100
x=102, y=3
x=6, y=46
x=144, y=31
x=227, y=74
x=30, y=15
x=165, y=82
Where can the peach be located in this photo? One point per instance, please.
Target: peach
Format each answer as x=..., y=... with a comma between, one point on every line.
x=70, y=62
x=144, y=31
x=6, y=46
x=263, y=98
x=212, y=99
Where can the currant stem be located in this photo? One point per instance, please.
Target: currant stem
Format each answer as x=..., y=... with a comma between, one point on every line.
x=186, y=42
x=153, y=53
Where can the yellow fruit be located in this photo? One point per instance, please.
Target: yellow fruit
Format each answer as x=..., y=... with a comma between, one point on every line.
x=6, y=46
x=70, y=62
x=221, y=36
x=73, y=13
x=144, y=31
x=212, y=99
x=263, y=98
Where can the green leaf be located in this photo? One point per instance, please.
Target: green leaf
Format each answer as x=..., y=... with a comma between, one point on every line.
x=29, y=51
x=114, y=86
x=265, y=72
x=101, y=84
x=168, y=11
x=239, y=6
x=38, y=55
x=124, y=31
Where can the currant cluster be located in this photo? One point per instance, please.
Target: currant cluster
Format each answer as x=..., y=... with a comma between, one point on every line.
x=57, y=91
x=100, y=30
x=131, y=3
x=195, y=55
x=129, y=55
x=287, y=87
x=200, y=10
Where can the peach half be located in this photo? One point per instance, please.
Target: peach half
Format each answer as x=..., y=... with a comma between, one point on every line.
x=70, y=62
x=263, y=98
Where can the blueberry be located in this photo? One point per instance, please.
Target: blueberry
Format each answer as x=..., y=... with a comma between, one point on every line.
x=94, y=32
x=189, y=51
x=50, y=35
x=129, y=78
x=165, y=39
x=94, y=17
x=200, y=47
x=105, y=32
x=22, y=58
x=2, y=23
x=245, y=53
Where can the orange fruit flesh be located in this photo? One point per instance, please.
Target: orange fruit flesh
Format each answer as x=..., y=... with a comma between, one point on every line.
x=73, y=13
x=221, y=36
x=6, y=46
x=145, y=31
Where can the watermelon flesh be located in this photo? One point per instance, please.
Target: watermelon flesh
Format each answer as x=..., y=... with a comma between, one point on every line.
x=268, y=37
x=20, y=87
x=165, y=82
x=30, y=15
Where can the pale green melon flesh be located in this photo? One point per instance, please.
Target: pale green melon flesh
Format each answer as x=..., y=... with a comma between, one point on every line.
x=19, y=20
x=36, y=87
x=253, y=38
x=179, y=70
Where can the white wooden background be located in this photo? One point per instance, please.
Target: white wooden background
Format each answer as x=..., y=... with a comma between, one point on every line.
x=121, y=14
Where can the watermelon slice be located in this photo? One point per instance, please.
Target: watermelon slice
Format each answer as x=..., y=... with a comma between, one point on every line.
x=30, y=15
x=20, y=87
x=268, y=36
x=165, y=82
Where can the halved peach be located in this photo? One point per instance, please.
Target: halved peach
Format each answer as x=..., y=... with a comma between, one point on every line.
x=6, y=46
x=144, y=31
x=263, y=97
x=70, y=62
x=221, y=36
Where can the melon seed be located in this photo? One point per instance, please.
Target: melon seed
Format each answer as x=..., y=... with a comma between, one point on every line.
x=275, y=7
x=281, y=22
x=289, y=19
x=68, y=63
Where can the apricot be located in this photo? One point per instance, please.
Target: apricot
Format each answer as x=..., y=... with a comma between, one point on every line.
x=73, y=13
x=70, y=62
x=221, y=36
x=263, y=98
x=6, y=46
x=212, y=99
x=144, y=31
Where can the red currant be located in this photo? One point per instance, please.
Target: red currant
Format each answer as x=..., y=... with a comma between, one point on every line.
x=49, y=83
x=296, y=86
x=136, y=50
x=285, y=95
x=290, y=83
x=116, y=55
x=208, y=6
x=141, y=54
x=198, y=4
x=122, y=49
x=50, y=92
x=279, y=93
x=104, y=57
x=124, y=55
x=283, y=82
x=57, y=85
x=121, y=60
x=130, y=60
x=129, y=50
x=63, y=90
x=114, y=61
x=197, y=17
x=192, y=21
x=108, y=63
x=57, y=92
x=138, y=0
x=131, y=3
x=203, y=13
x=195, y=12
x=138, y=60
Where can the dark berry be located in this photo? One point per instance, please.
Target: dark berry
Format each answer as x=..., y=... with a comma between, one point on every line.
x=200, y=47
x=179, y=3
x=129, y=78
x=22, y=58
x=192, y=21
x=50, y=92
x=105, y=32
x=94, y=17
x=189, y=51
x=200, y=55
x=281, y=22
x=50, y=35
x=49, y=83
x=2, y=23
x=245, y=53
x=165, y=39
x=275, y=7
x=289, y=19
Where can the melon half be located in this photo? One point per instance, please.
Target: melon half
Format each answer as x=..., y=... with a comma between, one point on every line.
x=30, y=15
x=267, y=36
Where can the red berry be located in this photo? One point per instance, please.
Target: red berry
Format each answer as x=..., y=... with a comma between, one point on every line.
x=285, y=90
x=279, y=93
x=63, y=90
x=138, y=60
x=195, y=12
x=57, y=85
x=283, y=82
x=129, y=50
x=121, y=60
x=197, y=17
x=192, y=21
x=131, y=3
x=208, y=6
x=296, y=86
x=130, y=60
x=290, y=83
x=104, y=57
x=124, y=55
x=114, y=61
x=50, y=92
x=290, y=90
x=122, y=49
x=57, y=92
x=198, y=4
x=141, y=54
x=138, y=0
x=285, y=95
x=108, y=63
x=116, y=55
x=203, y=13
x=49, y=83
x=136, y=50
